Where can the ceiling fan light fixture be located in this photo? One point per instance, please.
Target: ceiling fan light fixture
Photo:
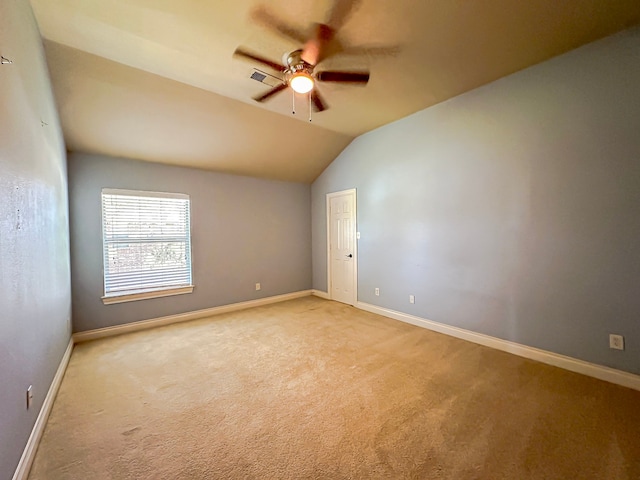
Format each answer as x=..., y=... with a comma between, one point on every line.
x=301, y=82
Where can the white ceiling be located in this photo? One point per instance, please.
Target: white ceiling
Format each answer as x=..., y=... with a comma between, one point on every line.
x=155, y=80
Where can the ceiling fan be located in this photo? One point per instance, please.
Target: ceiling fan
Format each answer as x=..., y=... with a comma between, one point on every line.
x=298, y=67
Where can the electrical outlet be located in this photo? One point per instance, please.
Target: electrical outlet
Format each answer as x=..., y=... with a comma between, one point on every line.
x=377, y=292
x=616, y=342
x=412, y=299
x=258, y=287
x=29, y=396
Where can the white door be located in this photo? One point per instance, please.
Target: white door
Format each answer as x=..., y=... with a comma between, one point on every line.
x=341, y=209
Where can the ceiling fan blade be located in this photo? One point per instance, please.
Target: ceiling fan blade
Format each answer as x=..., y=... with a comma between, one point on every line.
x=343, y=77
x=321, y=45
x=270, y=93
x=319, y=104
x=242, y=53
x=340, y=12
x=315, y=48
x=263, y=17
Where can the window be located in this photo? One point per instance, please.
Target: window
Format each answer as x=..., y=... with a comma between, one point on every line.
x=146, y=243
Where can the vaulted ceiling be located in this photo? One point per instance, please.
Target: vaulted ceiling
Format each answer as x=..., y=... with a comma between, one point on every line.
x=156, y=80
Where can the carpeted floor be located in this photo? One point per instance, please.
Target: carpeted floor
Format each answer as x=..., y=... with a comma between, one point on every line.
x=313, y=389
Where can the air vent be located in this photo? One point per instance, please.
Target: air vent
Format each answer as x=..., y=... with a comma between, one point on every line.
x=258, y=76
x=264, y=77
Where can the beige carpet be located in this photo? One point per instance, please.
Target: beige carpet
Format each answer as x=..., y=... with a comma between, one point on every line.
x=319, y=390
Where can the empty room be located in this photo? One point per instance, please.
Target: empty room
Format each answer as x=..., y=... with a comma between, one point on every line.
x=330, y=239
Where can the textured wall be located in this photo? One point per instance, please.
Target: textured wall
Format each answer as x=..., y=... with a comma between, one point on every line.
x=512, y=210
x=35, y=298
x=244, y=230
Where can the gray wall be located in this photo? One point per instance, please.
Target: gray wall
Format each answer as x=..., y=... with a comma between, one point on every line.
x=35, y=297
x=512, y=210
x=244, y=230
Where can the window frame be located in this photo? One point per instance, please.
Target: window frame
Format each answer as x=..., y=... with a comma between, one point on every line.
x=135, y=294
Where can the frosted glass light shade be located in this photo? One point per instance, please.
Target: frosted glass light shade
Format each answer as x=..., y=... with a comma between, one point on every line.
x=301, y=83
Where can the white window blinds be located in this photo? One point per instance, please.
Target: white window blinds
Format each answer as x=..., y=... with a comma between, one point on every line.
x=146, y=241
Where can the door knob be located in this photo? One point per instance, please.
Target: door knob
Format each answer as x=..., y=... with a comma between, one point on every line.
x=349, y=255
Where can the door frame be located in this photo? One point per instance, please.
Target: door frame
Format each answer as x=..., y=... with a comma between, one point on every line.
x=329, y=196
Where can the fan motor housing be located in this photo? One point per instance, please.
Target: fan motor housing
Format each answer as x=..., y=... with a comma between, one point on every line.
x=294, y=61
x=295, y=64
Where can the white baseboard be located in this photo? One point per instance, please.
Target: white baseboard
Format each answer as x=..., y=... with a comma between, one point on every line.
x=182, y=317
x=321, y=294
x=600, y=372
x=29, y=453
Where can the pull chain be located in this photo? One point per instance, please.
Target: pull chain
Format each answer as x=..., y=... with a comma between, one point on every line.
x=309, y=105
x=293, y=101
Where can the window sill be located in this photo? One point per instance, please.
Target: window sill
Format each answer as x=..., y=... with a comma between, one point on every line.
x=132, y=297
